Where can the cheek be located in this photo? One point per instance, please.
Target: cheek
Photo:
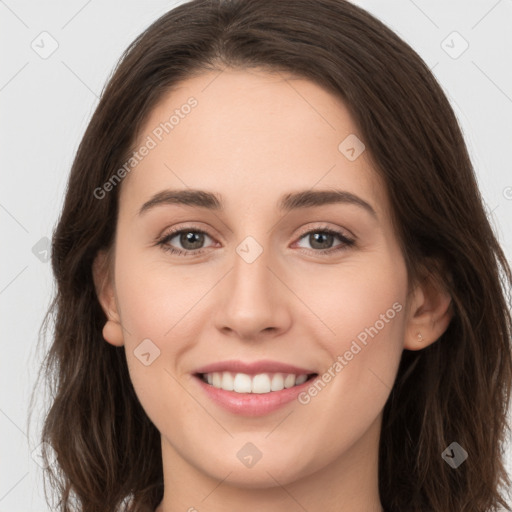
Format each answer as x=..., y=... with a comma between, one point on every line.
x=369, y=328
x=153, y=306
x=154, y=298
x=364, y=310
x=369, y=291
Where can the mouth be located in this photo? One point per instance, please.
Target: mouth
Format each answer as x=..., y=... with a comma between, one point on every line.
x=255, y=388
x=253, y=395
x=261, y=383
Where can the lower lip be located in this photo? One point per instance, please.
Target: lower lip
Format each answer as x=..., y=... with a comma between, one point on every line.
x=252, y=404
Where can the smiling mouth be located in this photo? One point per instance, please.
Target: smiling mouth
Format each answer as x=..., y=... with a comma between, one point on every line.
x=261, y=383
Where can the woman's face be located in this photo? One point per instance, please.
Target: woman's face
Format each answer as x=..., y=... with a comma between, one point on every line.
x=252, y=283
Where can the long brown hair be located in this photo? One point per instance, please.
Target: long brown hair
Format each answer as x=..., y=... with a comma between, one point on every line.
x=458, y=389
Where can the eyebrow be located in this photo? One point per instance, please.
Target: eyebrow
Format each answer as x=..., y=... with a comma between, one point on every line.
x=288, y=202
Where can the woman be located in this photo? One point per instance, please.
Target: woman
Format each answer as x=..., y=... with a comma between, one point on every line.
x=277, y=285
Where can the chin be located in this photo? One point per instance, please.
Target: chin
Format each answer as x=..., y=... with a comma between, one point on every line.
x=268, y=474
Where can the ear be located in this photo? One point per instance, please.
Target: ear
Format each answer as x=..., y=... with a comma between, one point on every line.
x=104, y=284
x=429, y=314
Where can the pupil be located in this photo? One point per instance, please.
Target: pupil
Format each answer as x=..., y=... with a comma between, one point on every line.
x=317, y=236
x=188, y=238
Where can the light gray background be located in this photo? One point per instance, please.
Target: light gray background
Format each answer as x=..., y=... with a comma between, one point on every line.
x=46, y=104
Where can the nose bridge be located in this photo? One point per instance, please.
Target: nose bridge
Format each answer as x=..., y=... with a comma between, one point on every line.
x=253, y=301
x=253, y=255
x=251, y=277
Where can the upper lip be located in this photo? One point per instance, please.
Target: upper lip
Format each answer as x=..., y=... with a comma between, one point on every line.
x=253, y=368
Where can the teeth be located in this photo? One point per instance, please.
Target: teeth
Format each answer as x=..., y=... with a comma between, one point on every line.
x=289, y=381
x=277, y=382
x=301, y=379
x=227, y=382
x=261, y=383
x=217, y=380
x=242, y=383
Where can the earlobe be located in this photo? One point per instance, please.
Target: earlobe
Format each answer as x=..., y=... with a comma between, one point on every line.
x=113, y=333
x=103, y=283
x=429, y=315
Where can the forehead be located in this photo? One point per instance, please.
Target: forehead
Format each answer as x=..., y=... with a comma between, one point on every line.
x=247, y=134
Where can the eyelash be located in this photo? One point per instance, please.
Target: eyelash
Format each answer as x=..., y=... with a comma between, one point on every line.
x=346, y=242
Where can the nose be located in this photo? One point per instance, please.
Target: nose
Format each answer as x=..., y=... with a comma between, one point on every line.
x=253, y=301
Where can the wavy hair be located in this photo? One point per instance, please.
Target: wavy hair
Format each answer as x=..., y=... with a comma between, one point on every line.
x=108, y=453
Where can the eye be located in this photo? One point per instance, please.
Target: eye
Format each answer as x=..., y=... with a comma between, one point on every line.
x=321, y=240
x=191, y=240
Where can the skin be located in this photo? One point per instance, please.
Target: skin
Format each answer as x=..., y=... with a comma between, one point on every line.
x=253, y=137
